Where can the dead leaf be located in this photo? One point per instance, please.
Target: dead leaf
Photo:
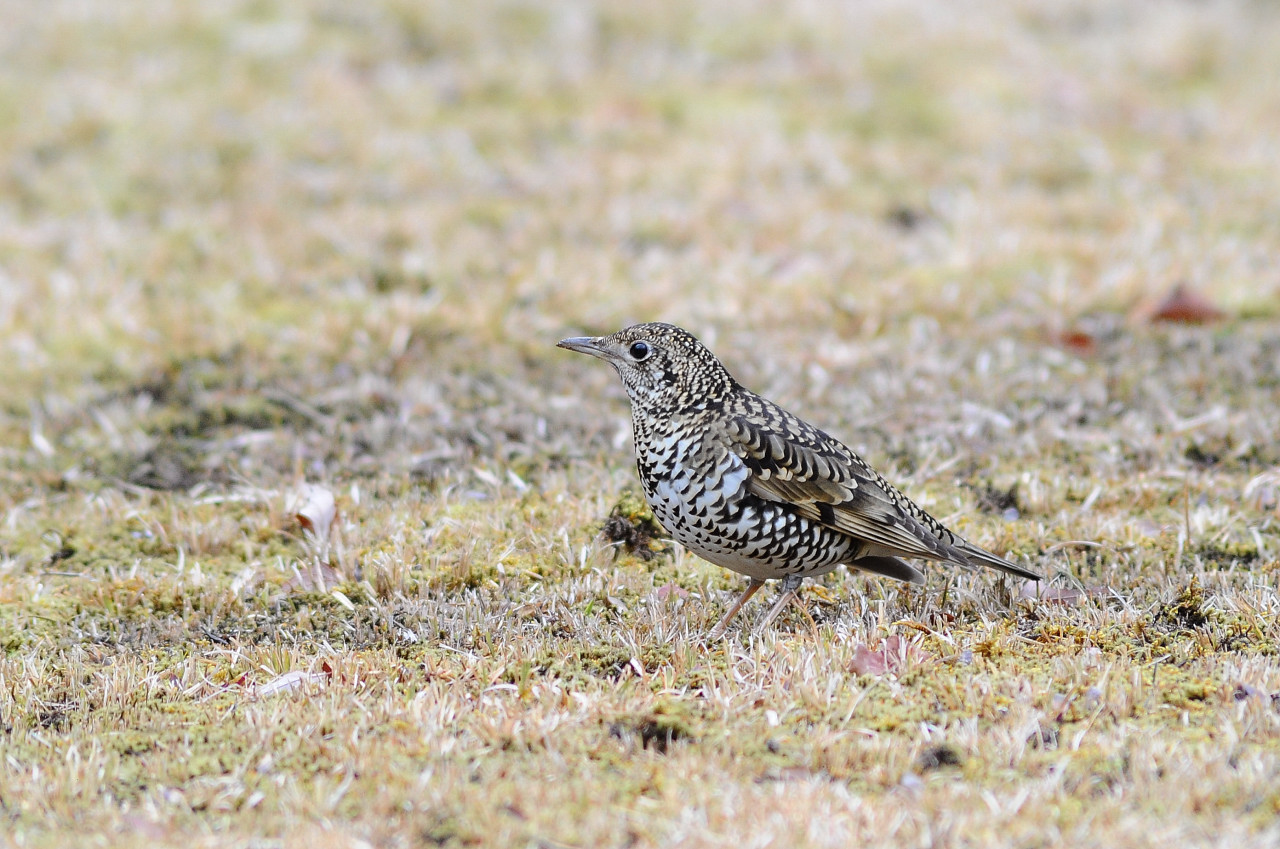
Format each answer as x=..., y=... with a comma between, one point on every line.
x=868, y=662
x=315, y=509
x=1184, y=305
x=1080, y=342
x=669, y=589
x=893, y=654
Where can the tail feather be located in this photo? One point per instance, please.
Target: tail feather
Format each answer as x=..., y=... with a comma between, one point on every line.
x=890, y=567
x=975, y=556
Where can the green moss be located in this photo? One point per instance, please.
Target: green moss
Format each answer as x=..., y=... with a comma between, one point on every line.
x=632, y=526
x=1228, y=554
x=1187, y=611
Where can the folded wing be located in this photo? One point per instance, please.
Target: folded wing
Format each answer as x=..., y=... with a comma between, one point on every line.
x=790, y=461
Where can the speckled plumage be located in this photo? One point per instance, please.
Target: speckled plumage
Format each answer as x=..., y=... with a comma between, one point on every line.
x=749, y=486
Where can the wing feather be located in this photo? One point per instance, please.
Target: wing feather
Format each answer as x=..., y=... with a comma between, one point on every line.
x=793, y=462
x=787, y=460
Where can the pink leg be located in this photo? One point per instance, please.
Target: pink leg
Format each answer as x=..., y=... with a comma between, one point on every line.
x=718, y=631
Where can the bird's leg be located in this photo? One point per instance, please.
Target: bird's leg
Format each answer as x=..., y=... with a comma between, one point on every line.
x=718, y=631
x=790, y=585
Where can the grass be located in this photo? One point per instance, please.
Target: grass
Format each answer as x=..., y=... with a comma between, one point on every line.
x=250, y=246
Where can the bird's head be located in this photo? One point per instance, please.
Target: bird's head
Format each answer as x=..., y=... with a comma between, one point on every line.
x=663, y=367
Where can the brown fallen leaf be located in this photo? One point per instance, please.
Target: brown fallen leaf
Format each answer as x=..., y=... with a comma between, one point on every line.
x=868, y=662
x=1074, y=340
x=669, y=589
x=1184, y=305
x=894, y=653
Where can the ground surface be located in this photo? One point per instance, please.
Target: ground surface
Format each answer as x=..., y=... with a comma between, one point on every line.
x=247, y=246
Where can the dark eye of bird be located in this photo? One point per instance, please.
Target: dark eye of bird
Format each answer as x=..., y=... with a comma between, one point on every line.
x=639, y=350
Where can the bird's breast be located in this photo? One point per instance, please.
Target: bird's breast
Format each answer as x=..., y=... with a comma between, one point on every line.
x=691, y=484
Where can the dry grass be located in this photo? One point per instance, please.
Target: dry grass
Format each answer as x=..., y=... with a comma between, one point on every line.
x=245, y=246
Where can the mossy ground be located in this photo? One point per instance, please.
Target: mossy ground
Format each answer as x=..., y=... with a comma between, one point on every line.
x=251, y=245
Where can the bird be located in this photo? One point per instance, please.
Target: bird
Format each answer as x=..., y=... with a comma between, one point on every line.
x=747, y=485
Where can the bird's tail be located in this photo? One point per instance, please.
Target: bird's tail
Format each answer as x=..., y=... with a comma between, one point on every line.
x=975, y=556
x=890, y=567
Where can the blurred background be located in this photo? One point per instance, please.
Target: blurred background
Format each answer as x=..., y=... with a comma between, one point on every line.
x=308, y=530
x=312, y=183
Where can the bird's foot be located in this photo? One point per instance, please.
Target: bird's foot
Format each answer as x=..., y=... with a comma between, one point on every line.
x=723, y=625
x=790, y=589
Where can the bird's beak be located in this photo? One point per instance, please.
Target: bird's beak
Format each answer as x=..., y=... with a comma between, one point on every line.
x=584, y=345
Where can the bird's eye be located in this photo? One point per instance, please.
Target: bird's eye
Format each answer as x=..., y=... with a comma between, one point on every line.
x=639, y=350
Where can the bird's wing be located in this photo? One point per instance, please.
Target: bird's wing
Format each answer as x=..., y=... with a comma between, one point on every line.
x=790, y=461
